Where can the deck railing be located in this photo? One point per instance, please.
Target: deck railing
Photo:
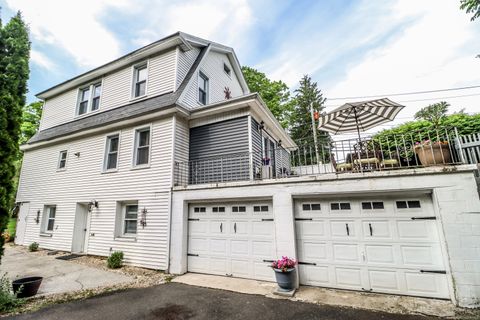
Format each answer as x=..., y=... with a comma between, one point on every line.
x=430, y=147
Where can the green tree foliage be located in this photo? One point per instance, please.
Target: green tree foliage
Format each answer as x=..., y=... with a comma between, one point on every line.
x=14, y=71
x=31, y=115
x=301, y=121
x=471, y=6
x=433, y=113
x=275, y=94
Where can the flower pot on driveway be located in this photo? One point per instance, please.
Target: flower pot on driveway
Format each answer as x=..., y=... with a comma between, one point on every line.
x=285, y=279
x=26, y=287
x=436, y=154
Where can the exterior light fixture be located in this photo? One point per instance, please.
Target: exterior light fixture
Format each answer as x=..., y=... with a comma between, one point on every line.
x=143, y=217
x=92, y=204
x=262, y=125
x=37, y=219
x=77, y=154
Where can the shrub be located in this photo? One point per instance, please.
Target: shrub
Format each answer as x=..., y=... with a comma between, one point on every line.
x=8, y=300
x=33, y=247
x=115, y=260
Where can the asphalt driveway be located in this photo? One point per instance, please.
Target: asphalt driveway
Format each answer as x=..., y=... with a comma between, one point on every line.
x=174, y=301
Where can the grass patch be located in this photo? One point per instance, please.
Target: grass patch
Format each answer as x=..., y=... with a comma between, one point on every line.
x=12, y=226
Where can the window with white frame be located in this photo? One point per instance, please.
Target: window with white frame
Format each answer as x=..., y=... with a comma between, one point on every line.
x=142, y=146
x=89, y=98
x=202, y=88
x=48, y=222
x=62, y=160
x=140, y=80
x=130, y=215
x=111, y=152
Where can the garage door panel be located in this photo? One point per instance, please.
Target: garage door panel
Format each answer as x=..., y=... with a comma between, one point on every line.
x=419, y=230
x=263, y=228
x=198, y=227
x=218, y=246
x=218, y=227
x=346, y=252
x=239, y=228
x=380, y=254
x=198, y=245
x=241, y=267
x=311, y=229
x=262, y=271
x=239, y=247
x=428, y=255
x=314, y=275
x=262, y=249
x=310, y=251
x=382, y=280
x=344, y=229
x=429, y=284
x=348, y=277
x=375, y=229
x=199, y=264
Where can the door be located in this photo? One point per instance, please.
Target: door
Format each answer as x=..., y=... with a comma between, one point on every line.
x=389, y=245
x=22, y=223
x=80, y=228
x=232, y=239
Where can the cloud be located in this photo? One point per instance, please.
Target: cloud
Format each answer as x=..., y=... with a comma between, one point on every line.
x=41, y=60
x=73, y=26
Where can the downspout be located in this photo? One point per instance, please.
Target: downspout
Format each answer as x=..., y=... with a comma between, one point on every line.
x=169, y=240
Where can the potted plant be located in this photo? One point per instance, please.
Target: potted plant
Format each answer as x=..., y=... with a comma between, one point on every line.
x=266, y=161
x=433, y=152
x=284, y=273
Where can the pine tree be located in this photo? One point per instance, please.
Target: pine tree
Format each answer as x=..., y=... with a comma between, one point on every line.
x=14, y=71
x=301, y=121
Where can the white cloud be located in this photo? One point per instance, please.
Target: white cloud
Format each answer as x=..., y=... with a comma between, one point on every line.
x=72, y=26
x=41, y=60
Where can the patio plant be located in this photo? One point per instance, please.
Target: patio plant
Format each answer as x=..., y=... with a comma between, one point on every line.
x=115, y=260
x=8, y=300
x=284, y=272
x=33, y=247
x=433, y=152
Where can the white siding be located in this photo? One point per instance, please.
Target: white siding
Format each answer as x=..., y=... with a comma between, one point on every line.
x=212, y=67
x=185, y=62
x=83, y=180
x=116, y=90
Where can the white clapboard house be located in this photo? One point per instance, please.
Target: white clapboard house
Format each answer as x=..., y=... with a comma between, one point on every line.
x=165, y=155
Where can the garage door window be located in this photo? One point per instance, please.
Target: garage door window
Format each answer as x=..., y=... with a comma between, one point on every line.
x=239, y=209
x=311, y=207
x=218, y=209
x=375, y=205
x=199, y=209
x=260, y=208
x=340, y=206
x=413, y=204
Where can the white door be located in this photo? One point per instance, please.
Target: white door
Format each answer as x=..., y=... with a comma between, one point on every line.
x=22, y=223
x=80, y=228
x=233, y=239
x=389, y=245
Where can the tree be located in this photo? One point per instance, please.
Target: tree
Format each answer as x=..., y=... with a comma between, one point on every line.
x=433, y=113
x=31, y=115
x=275, y=94
x=14, y=71
x=301, y=130
x=471, y=6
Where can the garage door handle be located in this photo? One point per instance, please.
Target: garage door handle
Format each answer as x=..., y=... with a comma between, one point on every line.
x=434, y=271
x=270, y=261
x=424, y=218
x=307, y=263
x=348, y=229
x=221, y=227
x=371, y=230
x=235, y=227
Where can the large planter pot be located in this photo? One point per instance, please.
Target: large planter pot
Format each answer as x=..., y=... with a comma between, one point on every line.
x=434, y=155
x=26, y=287
x=285, y=280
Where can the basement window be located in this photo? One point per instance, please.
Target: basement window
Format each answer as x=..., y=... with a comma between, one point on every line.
x=340, y=206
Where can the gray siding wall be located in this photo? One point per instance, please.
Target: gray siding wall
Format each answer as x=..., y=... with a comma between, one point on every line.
x=219, y=152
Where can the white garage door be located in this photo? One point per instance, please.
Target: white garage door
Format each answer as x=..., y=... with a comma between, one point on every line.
x=389, y=245
x=236, y=239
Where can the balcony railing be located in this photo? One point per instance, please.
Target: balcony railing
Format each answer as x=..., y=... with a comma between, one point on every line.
x=382, y=152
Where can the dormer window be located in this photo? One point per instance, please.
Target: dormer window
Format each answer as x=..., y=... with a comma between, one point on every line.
x=227, y=69
x=140, y=81
x=89, y=98
x=202, y=88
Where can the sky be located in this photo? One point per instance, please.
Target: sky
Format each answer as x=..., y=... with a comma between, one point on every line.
x=350, y=48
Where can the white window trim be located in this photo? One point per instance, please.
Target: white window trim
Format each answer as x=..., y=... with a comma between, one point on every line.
x=229, y=68
x=207, y=95
x=60, y=158
x=104, y=165
x=145, y=63
x=135, y=142
x=91, y=85
x=46, y=218
x=123, y=217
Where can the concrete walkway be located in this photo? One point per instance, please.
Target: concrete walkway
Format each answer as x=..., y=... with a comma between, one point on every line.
x=323, y=296
x=178, y=301
x=59, y=276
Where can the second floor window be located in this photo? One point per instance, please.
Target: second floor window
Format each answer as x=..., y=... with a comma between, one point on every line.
x=89, y=98
x=111, y=153
x=142, y=146
x=202, y=88
x=140, y=81
x=62, y=160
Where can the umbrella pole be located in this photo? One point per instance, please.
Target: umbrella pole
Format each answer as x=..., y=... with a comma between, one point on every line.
x=359, y=139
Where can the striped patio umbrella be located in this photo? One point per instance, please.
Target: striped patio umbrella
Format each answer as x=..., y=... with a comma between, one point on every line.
x=359, y=116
